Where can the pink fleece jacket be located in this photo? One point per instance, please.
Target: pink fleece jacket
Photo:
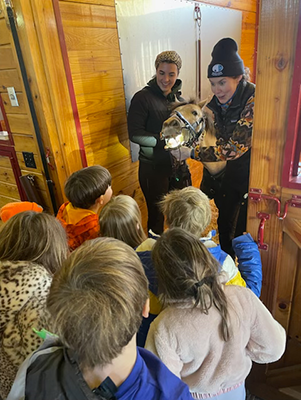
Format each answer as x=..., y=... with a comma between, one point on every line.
x=190, y=344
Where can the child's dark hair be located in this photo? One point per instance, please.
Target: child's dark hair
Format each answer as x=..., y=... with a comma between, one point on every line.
x=83, y=187
x=188, y=272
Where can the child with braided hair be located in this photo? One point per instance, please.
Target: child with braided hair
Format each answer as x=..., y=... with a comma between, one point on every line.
x=208, y=334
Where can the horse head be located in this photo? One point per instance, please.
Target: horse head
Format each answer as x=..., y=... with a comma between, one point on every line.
x=187, y=125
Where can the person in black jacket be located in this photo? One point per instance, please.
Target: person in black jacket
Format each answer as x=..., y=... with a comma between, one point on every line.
x=232, y=108
x=148, y=110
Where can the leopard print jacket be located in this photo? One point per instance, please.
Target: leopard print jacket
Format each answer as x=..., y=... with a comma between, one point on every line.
x=23, y=290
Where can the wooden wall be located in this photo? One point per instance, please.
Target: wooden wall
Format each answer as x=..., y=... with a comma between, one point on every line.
x=88, y=30
x=91, y=39
x=19, y=121
x=279, y=20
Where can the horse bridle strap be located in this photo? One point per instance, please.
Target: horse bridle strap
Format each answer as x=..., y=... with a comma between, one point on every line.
x=191, y=127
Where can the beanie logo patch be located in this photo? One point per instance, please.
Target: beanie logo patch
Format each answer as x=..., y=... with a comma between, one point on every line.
x=217, y=70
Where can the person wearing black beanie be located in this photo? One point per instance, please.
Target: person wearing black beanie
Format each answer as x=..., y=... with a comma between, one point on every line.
x=232, y=108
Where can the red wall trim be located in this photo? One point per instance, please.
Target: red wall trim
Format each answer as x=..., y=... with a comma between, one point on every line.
x=11, y=154
x=10, y=141
x=293, y=127
x=61, y=34
x=256, y=40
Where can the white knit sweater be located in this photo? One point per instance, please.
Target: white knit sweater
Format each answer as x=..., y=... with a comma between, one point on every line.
x=190, y=344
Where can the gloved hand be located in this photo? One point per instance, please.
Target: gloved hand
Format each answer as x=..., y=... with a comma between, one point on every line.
x=181, y=154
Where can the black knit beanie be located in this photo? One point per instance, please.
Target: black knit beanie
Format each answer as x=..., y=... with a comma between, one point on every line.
x=225, y=60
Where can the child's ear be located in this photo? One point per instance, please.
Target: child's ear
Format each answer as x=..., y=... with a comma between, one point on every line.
x=145, y=311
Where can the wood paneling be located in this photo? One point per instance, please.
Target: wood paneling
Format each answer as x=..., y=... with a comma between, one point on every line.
x=4, y=200
x=7, y=175
x=88, y=15
x=243, y=5
x=8, y=78
x=5, y=162
x=94, y=60
x=90, y=38
x=110, y=3
x=275, y=66
x=25, y=143
x=9, y=190
x=5, y=34
x=20, y=123
x=66, y=150
x=6, y=58
x=21, y=109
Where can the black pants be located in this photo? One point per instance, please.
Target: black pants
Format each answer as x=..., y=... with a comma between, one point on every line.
x=157, y=181
x=232, y=206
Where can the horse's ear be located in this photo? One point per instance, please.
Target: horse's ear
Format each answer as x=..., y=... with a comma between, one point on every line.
x=202, y=103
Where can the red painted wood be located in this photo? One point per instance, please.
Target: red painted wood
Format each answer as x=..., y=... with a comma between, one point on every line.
x=61, y=34
x=11, y=154
x=10, y=141
x=293, y=138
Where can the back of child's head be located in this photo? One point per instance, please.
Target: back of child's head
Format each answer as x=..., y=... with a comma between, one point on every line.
x=85, y=186
x=96, y=300
x=188, y=273
x=34, y=236
x=120, y=218
x=188, y=208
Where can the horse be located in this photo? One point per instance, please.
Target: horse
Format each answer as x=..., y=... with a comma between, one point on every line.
x=191, y=124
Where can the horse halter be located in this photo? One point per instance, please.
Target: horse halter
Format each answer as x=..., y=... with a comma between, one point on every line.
x=194, y=136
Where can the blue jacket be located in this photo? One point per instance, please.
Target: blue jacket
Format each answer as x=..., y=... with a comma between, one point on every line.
x=249, y=262
x=52, y=372
x=249, y=266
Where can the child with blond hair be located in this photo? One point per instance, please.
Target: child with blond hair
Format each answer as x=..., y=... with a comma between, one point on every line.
x=190, y=210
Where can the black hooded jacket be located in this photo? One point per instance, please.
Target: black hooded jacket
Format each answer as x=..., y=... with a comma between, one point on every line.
x=148, y=110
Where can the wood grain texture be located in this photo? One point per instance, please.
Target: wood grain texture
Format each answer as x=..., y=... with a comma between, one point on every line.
x=5, y=34
x=88, y=15
x=4, y=200
x=243, y=5
x=277, y=40
x=7, y=175
x=20, y=123
x=25, y=143
x=9, y=190
x=7, y=60
x=9, y=109
x=110, y=3
x=52, y=62
x=8, y=78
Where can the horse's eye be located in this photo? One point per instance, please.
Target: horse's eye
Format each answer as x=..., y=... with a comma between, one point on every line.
x=194, y=112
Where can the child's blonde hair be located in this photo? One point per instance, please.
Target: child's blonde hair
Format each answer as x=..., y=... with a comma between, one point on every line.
x=36, y=237
x=96, y=300
x=188, y=273
x=188, y=208
x=120, y=218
